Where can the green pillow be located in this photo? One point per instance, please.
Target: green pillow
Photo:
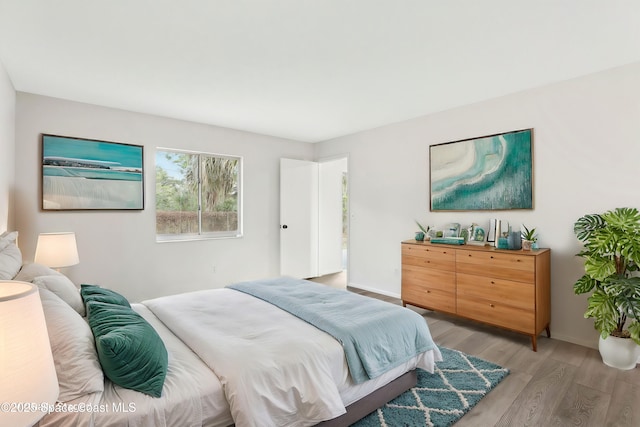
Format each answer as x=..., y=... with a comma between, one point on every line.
x=130, y=351
x=96, y=293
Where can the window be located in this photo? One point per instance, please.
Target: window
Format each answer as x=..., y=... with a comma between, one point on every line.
x=198, y=195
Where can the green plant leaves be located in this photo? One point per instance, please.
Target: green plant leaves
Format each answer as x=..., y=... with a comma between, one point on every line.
x=634, y=330
x=585, y=226
x=611, y=259
x=599, y=268
x=424, y=230
x=584, y=284
x=604, y=312
x=630, y=249
x=626, y=293
x=528, y=234
x=625, y=219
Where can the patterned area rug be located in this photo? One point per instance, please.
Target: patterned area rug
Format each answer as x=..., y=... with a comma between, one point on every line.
x=441, y=398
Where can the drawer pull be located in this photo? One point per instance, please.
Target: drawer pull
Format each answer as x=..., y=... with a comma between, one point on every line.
x=491, y=257
x=493, y=283
x=428, y=291
x=491, y=305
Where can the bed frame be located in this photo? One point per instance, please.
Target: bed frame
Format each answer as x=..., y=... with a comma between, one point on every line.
x=361, y=408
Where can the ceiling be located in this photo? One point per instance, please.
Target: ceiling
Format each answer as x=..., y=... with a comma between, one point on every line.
x=303, y=69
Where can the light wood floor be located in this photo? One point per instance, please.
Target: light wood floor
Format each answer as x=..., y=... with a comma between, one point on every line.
x=562, y=384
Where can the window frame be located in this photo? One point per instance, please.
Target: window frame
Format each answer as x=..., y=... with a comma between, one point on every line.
x=200, y=235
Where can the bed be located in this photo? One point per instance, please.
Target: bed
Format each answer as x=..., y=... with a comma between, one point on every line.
x=231, y=357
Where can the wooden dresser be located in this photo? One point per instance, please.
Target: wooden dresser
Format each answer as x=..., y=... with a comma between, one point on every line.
x=509, y=289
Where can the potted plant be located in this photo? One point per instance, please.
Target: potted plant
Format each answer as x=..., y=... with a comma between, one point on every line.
x=529, y=237
x=611, y=260
x=420, y=235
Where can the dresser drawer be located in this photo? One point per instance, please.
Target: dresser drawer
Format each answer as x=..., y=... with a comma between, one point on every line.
x=516, y=294
x=499, y=265
x=431, y=298
x=496, y=313
x=433, y=279
x=426, y=256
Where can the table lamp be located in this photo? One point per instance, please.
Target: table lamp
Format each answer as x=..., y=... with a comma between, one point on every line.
x=57, y=250
x=27, y=372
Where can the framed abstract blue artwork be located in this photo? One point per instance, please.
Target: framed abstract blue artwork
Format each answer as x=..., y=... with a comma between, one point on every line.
x=493, y=172
x=85, y=174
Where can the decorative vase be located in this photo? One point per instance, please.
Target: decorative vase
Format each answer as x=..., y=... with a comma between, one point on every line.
x=527, y=245
x=514, y=242
x=503, y=243
x=621, y=353
x=419, y=236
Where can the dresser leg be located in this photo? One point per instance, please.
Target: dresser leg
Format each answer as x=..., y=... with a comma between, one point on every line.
x=548, y=332
x=534, y=343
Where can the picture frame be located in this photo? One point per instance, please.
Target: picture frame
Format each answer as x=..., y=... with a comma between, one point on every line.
x=493, y=172
x=90, y=174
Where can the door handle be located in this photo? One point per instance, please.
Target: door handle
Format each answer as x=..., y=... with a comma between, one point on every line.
x=285, y=226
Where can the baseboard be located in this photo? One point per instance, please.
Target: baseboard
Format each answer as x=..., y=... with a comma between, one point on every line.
x=374, y=290
x=584, y=343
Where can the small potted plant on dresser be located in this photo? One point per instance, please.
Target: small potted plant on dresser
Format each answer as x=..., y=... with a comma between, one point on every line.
x=423, y=233
x=611, y=262
x=529, y=237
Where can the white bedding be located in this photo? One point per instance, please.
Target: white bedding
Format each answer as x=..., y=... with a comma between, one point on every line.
x=275, y=369
x=192, y=396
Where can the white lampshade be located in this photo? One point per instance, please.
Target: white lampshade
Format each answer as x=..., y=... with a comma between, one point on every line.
x=57, y=250
x=27, y=372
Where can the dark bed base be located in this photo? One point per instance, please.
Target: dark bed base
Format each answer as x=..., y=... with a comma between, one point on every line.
x=373, y=401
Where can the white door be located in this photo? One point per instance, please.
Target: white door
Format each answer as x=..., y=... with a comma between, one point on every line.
x=298, y=218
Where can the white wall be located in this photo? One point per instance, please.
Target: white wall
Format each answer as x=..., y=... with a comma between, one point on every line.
x=586, y=160
x=118, y=249
x=7, y=138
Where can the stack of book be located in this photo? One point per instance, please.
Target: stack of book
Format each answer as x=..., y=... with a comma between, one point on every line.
x=448, y=240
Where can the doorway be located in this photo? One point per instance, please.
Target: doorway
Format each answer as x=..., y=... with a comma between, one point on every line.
x=334, y=222
x=314, y=214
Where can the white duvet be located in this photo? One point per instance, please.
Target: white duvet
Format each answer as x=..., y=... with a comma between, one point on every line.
x=275, y=369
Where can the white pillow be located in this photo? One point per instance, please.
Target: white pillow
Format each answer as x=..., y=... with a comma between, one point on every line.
x=8, y=237
x=32, y=270
x=10, y=261
x=73, y=348
x=63, y=288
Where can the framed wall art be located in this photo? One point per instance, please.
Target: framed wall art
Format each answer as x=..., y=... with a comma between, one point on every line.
x=86, y=174
x=493, y=172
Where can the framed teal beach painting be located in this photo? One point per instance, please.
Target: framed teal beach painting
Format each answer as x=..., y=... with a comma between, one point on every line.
x=87, y=174
x=493, y=172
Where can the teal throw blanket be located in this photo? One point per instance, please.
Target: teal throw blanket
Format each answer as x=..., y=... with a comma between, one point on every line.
x=376, y=336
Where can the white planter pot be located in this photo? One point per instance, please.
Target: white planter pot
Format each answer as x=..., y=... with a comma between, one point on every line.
x=621, y=353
